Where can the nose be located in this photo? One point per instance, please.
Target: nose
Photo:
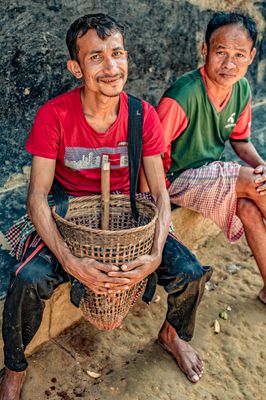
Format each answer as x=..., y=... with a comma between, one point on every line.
x=110, y=64
x=229, y=62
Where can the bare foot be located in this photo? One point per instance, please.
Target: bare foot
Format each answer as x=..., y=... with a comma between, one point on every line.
x=186, y=357
x=11, y=385
x=262, y=295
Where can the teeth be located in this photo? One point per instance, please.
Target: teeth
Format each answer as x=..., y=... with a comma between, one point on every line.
x=110, y=81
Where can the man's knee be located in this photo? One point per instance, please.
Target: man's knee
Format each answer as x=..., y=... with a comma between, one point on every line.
x=179, y=266
x=39, y=273
x=40, y=285
x=248, y=212
x=26, y=277
x=246, y=186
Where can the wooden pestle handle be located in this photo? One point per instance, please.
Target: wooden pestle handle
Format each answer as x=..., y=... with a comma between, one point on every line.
x=105, y=192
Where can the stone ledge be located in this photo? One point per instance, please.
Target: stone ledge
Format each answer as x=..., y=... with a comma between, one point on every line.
x=59, y=314
x=192, y=228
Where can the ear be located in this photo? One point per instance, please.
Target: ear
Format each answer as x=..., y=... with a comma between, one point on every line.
x=74, y=68
x=252, y=55
x=204, y=50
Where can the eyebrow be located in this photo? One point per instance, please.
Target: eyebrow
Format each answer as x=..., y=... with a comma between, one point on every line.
x=221, y=46
x=100, y=51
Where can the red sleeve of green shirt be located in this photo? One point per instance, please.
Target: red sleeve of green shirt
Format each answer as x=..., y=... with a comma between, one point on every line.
x=152, y=133
x=242, y=129
x=174, y=122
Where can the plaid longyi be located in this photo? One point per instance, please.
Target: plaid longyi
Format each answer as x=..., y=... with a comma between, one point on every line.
x=211, y=191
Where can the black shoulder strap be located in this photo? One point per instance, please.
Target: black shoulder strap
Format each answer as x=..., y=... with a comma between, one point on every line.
x=60, y=198
x=134, y=148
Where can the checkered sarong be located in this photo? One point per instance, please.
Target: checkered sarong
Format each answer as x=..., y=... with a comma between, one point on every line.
x=18, y=233
x=210, y=190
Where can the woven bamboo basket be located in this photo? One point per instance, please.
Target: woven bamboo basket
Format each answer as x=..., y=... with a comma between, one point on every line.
x=124, y=241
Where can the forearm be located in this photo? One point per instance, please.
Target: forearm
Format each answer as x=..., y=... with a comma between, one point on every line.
x=154, y=172
x=247, y=152
x=41, y=217
x=162, y=225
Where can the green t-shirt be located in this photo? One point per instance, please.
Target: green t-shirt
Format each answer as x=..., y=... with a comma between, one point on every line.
x=203, y=140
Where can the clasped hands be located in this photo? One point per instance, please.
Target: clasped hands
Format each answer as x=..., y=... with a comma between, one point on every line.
x=109, y=279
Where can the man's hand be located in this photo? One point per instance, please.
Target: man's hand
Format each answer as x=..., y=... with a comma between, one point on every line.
x=260, y=180
x=95, y=275
x=247, y=152
x=135, y=271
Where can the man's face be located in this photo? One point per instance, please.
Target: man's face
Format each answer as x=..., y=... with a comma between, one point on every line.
x=103, y=63
x=228, y=56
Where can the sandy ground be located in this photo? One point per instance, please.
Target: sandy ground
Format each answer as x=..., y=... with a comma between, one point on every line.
x=133, y=367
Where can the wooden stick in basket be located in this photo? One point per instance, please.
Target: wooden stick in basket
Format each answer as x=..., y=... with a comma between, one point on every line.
x=105, y=191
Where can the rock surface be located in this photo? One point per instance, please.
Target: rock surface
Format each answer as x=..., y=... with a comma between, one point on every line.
x=163, y=39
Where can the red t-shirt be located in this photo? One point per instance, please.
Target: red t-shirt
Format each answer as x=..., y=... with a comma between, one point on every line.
x=60, y=131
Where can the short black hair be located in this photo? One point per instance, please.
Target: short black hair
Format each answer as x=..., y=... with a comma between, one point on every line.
x=102, y=23
x=223, y=18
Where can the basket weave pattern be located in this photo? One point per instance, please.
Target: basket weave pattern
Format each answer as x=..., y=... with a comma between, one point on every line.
x=124, y=241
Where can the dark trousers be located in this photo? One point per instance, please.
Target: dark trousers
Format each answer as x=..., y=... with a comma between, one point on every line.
x=36, y=276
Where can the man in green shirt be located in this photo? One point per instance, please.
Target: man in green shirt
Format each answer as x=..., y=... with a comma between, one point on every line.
x=200, y=112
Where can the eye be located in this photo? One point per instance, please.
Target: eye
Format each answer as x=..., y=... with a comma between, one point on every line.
x=220, y=53
x=119, y=53
x=239, y=55
x=96, y=57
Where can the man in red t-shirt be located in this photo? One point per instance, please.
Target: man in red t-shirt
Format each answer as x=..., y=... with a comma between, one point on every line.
x=70, y=135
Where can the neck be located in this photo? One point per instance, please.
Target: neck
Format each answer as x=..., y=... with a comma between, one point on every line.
x=218, y=92
x=99, y=105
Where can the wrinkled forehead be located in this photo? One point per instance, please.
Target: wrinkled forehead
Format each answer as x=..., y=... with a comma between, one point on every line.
x=90, y=41
x=235, y=31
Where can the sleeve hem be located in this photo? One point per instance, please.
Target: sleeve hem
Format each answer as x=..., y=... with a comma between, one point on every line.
x=38, y=154
x=240, y=140
x=148, y=154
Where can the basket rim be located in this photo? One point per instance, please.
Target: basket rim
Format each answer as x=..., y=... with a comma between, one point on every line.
x=84, y=228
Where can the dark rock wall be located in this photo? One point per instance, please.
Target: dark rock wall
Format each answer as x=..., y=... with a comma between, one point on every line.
x=163, y=39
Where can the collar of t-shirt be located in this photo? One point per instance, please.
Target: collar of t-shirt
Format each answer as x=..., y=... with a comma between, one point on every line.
x=217, y=106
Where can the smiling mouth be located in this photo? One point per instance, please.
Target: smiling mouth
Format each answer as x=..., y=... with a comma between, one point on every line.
x=227, y=75
x=109, y=79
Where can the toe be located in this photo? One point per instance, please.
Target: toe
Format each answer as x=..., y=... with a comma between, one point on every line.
x=193, y=377
x=262, y=296
x=199, y=366
x=199, y=359
x=199, y=372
